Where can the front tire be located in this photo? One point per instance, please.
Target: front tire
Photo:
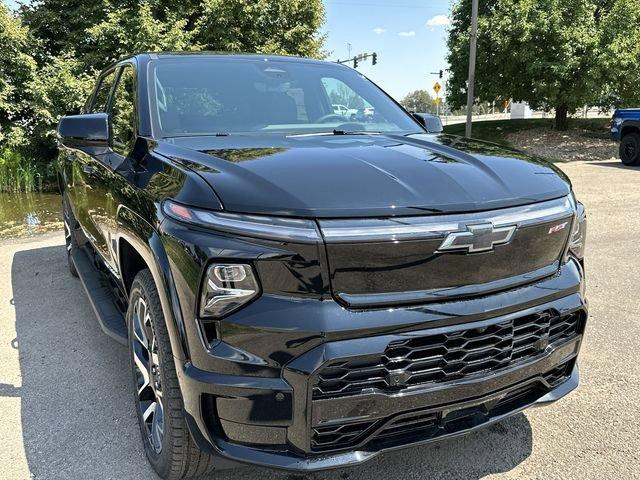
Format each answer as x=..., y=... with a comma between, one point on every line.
x=158, y=399
x=630, y=149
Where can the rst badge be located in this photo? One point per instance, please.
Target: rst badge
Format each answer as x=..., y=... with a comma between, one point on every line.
x=557, y=228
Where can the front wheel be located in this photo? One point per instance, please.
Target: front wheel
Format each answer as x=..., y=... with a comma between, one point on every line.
x=158, y=399
x=630, y=149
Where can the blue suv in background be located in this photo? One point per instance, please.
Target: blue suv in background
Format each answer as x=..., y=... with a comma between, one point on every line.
x=625, y=128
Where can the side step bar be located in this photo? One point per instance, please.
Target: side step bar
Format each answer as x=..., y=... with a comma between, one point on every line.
x=102, y=298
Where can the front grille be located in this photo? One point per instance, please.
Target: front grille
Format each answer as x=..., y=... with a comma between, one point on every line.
x=420, y=425
x=446, y=357
x=330, y=436
x=424, y=424
x=559, y=374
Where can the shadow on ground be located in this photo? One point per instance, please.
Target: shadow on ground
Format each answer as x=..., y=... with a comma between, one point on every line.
x=615, y=164
x=77, y=409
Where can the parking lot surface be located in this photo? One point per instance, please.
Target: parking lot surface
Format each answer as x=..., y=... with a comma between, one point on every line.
x=66, y=407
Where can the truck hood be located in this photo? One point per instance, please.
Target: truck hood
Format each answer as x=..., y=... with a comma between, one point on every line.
x=627, y=113
x=362, y=176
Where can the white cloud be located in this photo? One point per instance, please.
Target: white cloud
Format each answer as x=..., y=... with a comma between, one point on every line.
x=407, y=34
x=438, y=21
x=379, y=31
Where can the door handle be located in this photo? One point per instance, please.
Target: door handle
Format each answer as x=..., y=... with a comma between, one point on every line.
x=88, y=169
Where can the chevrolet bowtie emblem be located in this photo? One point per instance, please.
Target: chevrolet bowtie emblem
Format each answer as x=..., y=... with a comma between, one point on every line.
x=478, y=238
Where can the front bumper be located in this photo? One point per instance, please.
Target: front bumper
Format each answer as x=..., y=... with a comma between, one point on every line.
x=278, y=421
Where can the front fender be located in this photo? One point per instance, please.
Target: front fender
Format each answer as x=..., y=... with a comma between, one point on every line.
x=141, y=235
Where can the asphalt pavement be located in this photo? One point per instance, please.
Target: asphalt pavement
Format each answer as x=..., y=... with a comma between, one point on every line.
x=66, y=407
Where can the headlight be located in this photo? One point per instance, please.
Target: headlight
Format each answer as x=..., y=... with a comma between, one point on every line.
x=258, y=226
x=227, y=287
x=617, y=121
x=579, y=232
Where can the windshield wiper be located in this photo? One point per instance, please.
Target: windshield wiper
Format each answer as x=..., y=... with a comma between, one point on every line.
x=354, y=132
x=186, y=135
x=334, y=132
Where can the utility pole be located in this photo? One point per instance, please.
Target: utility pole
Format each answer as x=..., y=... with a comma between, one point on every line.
x=473, y=42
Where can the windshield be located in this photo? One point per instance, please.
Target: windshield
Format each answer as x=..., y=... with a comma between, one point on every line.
x=217, y=95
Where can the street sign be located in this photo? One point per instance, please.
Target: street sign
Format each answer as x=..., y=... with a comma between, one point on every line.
x=437, y=87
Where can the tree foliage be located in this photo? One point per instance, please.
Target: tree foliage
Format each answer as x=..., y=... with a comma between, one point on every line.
x=620, y=58
x=60, y=87
x=61, y=25
x=104, y=30
x=266, y=26
x=553, y=54
x=17, y=69
x=137, y=27
x=419, y=101
x=51, y=51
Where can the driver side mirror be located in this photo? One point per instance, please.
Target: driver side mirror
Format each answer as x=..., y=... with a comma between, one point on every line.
x=86, y=130
x=419, y=119
x=431, y=123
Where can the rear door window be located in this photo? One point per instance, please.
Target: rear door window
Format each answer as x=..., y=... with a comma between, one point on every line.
x=123, y=113
x=101, y=97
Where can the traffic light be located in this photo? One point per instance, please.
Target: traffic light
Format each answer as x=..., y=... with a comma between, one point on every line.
x=374, y=58
x=441, y=73
x=355, y=62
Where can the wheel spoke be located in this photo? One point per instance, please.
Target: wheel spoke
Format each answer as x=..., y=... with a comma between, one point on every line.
x=142, y=367
x=157, y=426
x=147, y=371
x=153, y=353
x=149, y=410
x=139, y=329
x=148, y=328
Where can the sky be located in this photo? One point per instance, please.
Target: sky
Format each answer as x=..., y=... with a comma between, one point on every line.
x=409, y=37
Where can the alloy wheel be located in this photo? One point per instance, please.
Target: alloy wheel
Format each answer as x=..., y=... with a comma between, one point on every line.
x=147, y=374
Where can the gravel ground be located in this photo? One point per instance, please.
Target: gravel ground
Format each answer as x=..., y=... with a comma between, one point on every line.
x=563, y=146
x=66, y=411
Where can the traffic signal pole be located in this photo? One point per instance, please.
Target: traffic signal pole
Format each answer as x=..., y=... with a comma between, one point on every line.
x=359, y=58
x=473, y=41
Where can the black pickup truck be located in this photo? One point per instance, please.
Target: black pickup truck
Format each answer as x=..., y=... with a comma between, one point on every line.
x=302, y=290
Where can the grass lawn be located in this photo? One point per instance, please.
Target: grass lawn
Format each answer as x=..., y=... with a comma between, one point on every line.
x=496, y=130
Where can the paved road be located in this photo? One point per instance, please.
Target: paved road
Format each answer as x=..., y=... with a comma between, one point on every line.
x=66, y=410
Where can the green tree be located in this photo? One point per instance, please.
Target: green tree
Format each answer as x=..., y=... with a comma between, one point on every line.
x=61, y=24
x=32, y=99
x=17, y=69
x=137, y=27
x=60, y=87
x=419, y=101
x=104, y=30
x=544, y=52
x=280, y=27
x=620, y=59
